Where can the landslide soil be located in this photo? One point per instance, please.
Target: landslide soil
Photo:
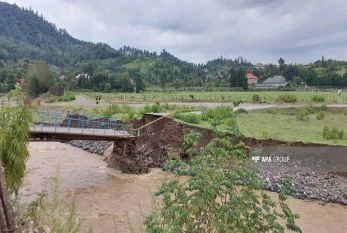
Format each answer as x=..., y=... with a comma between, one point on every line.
x=163, y=139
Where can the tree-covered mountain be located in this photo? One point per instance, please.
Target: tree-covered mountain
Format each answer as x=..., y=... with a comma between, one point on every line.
x=26, y=36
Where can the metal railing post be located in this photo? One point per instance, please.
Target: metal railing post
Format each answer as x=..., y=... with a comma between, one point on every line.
x=42, y=119
x=69, y=121
x=79, y=119
x=55, y=121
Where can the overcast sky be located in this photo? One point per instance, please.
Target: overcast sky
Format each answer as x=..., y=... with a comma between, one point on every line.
x=300, y=31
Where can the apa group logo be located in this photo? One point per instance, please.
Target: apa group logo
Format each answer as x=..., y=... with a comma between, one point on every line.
x=256, y=158
x=270, y=159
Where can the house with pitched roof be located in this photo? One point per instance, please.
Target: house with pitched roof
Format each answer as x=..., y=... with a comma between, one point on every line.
x=273, y=82
x=260, y=66
x=251, y=79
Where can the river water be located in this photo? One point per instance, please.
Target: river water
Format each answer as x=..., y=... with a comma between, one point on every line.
x=107, y=198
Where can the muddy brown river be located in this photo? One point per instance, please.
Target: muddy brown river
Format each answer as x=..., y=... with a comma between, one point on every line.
x=106, y=197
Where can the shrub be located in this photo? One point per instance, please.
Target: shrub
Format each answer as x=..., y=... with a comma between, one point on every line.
x=146, y=109
x=242, y=110
x=287, y=98
x=332, y=133
x=126, y=108
x=174, y=165
x=302, y=114
x=67, y=97
x=320, y=116
x=156, y=108
x=223, y=195
x=323, y=107
x=318, y=98
x=218, y=113
x=107, y=112
x=111, y=110
x=189, y=118
x=230, y=122
x=115, y=108
x=256, y=99
x=95, y=110
x=237, y=103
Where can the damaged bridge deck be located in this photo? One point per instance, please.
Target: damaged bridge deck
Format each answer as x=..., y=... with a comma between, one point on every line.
x=47, y=133
x=50, y=126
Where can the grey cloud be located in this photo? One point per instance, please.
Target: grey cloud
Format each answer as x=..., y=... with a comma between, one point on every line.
x=258, y=30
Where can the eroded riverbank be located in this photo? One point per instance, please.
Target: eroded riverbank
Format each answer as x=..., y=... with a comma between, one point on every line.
x=105, y=196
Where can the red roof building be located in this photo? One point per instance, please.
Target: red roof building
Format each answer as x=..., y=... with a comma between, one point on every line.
x=20, y=80
x=252, y=79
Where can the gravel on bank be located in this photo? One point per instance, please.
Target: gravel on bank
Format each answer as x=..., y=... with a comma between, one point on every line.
x=96, y=147
x=324, y=187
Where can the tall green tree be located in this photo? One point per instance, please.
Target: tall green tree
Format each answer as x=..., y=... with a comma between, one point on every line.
x=281, y=64
x=14, y=137
x=38, y=78
x=11, y=80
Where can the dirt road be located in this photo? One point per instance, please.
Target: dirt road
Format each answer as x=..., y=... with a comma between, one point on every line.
x=82, y=101
x=106, y=196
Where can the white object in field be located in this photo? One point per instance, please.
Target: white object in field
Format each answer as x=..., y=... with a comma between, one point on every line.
x=339, y=92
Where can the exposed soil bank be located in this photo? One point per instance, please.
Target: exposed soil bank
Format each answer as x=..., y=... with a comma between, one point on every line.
x=164, y=139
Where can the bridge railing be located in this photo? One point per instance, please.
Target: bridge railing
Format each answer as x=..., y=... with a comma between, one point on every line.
x=68, y=122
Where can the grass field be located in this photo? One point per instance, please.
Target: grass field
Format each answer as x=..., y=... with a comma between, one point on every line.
x=260, y=124
x=266, y=97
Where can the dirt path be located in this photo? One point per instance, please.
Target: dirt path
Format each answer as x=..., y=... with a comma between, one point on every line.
x=106, y=196
x=82, y=101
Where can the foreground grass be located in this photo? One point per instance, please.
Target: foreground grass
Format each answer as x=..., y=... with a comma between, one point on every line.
x=260, y=124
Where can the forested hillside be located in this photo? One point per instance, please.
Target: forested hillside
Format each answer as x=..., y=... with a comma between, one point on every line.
x=26, y=36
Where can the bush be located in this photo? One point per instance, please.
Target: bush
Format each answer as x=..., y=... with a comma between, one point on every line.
x=302, y=114
x=67, y=97
x=323, y=107
x=111, y=110
x=318, y=98
x=320, y=116
x=126, y=108
x=287, y=98
x=218, y=113
x=242, y=110
x=107, y=112
x=223, y=195
x=147, y=109
x=256, y=99
x=332, y=133
x=156, y=108
x=189, y=118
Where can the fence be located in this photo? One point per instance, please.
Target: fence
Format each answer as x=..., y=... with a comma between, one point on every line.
x=57, y=91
